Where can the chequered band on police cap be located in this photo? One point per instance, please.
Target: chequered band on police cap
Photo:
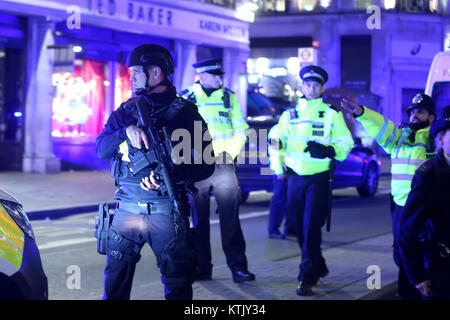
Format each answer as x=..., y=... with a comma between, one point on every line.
x=311, y=73
x=208, y=68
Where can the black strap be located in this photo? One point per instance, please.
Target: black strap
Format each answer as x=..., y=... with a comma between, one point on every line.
x=121, y=248
x=226, y=98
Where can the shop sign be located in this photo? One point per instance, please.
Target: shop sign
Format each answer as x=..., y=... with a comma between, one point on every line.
x=143, y=17
x=169, y=18
x=306, y=55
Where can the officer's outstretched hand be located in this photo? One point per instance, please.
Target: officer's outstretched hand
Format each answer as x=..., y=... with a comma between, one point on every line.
x=137, y=136
x=152, y=182
x=320, y=151
x=424, y=287
x=351, y=107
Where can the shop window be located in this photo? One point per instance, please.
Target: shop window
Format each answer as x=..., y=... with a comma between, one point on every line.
x=223, y=3
x=79, y=101
x=273, y=5
x=306, y=5
x=122, y=90
x=363, y=4
x=11, y=95
x=356, y=57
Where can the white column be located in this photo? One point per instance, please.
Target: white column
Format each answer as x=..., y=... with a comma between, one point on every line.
x=186, y=56
x=329, y=50
x=38, y=154
x=234, y=65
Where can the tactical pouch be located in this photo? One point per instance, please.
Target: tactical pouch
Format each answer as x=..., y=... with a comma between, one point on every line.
x=102, y=225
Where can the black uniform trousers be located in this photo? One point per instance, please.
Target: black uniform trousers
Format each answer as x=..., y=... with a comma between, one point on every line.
x=155, y=229
x=278, y=210
x=406, y=290
x=308, y=198
x=225, y=186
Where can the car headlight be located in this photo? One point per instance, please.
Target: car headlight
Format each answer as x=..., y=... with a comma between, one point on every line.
x=19, y=216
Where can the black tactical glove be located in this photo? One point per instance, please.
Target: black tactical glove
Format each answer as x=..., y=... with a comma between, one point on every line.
x=224, y=158
x=320, y=151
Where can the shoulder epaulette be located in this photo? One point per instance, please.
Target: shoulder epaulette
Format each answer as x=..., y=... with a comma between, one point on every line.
x=130, y=104
x=229, y=90
x=176, y=106
x=334, y=108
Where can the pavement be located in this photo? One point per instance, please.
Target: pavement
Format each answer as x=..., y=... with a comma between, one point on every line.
x=53, y=196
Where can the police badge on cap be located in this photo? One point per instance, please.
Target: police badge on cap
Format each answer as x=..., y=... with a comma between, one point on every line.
x=213, y=66
x=315, y=73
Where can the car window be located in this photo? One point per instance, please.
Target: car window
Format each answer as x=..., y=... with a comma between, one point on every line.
x=259, y=105
x=440, y=95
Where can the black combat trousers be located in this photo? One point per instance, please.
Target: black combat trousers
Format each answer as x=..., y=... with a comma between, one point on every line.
x=225, y=186
x=158, y=231
x=308, y=198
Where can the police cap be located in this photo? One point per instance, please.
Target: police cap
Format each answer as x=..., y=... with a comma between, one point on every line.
x=151, y=54
x=315, y=73
x=421, y=101
x=213, y=66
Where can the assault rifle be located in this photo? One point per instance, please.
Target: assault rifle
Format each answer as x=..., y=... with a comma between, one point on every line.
x=158, y=158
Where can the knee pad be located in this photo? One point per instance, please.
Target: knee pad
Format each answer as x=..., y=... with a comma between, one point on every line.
x=120, y=248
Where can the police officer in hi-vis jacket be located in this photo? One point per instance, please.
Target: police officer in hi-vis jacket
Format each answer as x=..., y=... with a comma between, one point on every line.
x=221, y=111
x=312, y=134
x=409, y=146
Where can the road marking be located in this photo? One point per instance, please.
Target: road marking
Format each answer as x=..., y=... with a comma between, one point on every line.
x=65, y=242
x=67, y=232
x=245, y=216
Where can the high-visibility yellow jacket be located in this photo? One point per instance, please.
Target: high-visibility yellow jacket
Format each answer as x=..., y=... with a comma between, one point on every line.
x=317, y=121
x=276, y=153
x=406, y=155
x=226, y=126
x=12, y=240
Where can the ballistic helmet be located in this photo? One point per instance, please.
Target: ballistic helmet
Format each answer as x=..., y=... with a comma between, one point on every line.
x=151, y=54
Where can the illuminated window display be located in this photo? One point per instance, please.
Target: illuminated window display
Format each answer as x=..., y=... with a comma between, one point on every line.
x=122, y=90
x=79, y=100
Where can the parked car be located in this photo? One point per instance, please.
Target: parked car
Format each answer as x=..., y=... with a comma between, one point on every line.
x=361, y=169
x=21, y=274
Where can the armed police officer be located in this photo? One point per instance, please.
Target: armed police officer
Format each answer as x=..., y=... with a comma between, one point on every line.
x=312, y=135
x=148, y=210
x=409, y=146
x=220, y=110
x=428, y=208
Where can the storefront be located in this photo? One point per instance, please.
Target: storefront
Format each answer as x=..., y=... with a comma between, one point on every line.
x=12, y=87
x=76, y=53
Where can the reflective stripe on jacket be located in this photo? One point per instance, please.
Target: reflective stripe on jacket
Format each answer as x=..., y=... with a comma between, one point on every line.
x=11, y=244
x=276, y=152
x=226, y=126
x=406, y=156
x=313, y=120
